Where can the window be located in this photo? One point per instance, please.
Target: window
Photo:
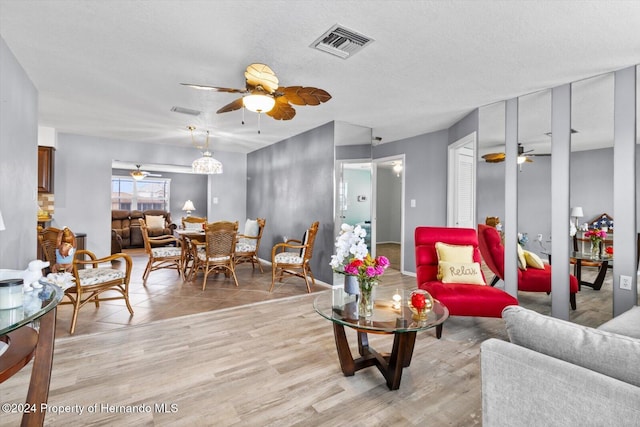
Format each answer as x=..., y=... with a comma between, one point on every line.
x=149, y=193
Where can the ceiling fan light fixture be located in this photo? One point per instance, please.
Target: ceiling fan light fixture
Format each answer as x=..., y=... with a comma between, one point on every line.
x=522, y=159
x=138, y=174
x=259, y=103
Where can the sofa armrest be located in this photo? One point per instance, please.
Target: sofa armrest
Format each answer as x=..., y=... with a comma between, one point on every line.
x=524, y=387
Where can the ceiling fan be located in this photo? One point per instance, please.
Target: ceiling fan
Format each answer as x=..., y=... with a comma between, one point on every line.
x=263, y=95
x=523, y=156
x=139, y=174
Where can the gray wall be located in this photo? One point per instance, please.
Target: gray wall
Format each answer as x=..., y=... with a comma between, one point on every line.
x=184, y=186
x=468, y=124
x=425, y=181
x=83, y=178
x=18, y=162
x=290, y=183
x=388, y=206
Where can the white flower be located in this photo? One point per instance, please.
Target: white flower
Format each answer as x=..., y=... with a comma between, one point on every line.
x=349, y=244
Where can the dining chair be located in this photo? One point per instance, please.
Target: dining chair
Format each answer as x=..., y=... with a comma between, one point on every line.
x=163, y=251
x=215, y=254
x=193, y=222
x=248, y=244
x=293, y=257
x=92, y=275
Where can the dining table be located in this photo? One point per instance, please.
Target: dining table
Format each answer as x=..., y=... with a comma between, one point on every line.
x=186, y=236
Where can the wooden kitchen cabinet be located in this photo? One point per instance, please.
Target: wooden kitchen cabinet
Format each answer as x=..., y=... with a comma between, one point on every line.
x=45, y=169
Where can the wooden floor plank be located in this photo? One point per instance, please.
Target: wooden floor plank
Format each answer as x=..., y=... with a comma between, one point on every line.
x=268, y=363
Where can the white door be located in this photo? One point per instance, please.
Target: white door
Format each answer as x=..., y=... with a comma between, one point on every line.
x=461, y=191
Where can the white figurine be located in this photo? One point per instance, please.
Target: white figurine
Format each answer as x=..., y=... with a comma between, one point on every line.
x=33, y=274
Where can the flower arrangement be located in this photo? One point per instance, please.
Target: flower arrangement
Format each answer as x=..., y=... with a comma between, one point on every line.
x=350, y=245
x=368, y=270
x=352, y=256
x=596, y=235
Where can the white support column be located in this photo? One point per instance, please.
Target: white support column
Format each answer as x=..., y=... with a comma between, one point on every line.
x=560, y=177
x=624, y=190
x=511, y=198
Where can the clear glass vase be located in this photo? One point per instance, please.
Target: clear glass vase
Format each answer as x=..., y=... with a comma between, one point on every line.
x=365, y=301
x=595, y=249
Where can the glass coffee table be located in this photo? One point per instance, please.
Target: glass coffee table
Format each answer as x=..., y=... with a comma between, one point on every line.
x=27, y=332
x=390, y=316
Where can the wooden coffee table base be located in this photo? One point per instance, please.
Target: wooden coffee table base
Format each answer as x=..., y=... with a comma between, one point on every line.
x=390, y=365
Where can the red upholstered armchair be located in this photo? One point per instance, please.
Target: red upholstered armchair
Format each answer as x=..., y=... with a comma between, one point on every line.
x=529, y=280
x=460, y=298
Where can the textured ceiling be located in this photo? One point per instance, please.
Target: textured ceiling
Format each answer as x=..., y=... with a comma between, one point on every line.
x=113, y=68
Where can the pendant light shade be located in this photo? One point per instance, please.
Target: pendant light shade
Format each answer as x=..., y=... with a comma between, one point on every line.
x=205, y=164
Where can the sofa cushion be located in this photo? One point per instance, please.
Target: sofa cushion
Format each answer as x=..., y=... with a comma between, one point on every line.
x=155, y=222
x=460, y=272
x=533, y=260
x=628, y=323
x=604, y=352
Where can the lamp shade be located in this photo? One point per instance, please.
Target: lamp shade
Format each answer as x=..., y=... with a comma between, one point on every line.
x=259, y=103
x=577, y=212
x=206, y=164
x=188, y=206
x=1, y=222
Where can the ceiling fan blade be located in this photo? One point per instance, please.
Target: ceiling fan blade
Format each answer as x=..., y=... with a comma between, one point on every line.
x=261, y=74
x=214, y=88
x=235, y=105
x=494, y=157
x=282, y=110
x=300, y=95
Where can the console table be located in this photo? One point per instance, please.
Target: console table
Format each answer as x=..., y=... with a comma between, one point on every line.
x=388, y=318
x=25, y=341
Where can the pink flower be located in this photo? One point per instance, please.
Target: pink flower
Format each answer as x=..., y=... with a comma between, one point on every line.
x=371, y=271
x=351, y=269
x=382, y=261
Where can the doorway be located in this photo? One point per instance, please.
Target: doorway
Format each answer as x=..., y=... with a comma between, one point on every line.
x=461, y=188
x=388, y=217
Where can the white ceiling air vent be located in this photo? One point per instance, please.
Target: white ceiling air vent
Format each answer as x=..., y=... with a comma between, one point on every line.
x=341, y=42
x=184, y=110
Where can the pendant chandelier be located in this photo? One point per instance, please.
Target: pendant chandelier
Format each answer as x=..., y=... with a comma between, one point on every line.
x=205, y=164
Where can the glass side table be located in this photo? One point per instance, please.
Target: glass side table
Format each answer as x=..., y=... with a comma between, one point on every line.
x=390, y=316
x=28, y=332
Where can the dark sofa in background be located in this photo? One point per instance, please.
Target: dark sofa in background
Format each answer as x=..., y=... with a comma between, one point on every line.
x=125, y=228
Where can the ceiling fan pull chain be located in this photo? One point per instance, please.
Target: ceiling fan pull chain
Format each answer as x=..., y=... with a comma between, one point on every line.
x=243, y=115
x=259, y=114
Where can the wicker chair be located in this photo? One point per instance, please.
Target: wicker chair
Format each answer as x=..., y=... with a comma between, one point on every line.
x=216, y=253
x=247, y=246
x=193, y=222
x=293, y=257
x=92, y=275
x=161, y=255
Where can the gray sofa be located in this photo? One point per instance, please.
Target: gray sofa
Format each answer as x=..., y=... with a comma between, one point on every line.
x=558, y=373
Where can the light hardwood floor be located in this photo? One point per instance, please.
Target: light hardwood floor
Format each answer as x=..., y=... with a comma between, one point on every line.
x=269, y=363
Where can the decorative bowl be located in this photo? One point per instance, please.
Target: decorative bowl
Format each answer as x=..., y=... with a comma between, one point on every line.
x=420, y=303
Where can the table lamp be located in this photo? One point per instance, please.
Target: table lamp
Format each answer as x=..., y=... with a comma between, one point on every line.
x=576, y=212
x=188, y=206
